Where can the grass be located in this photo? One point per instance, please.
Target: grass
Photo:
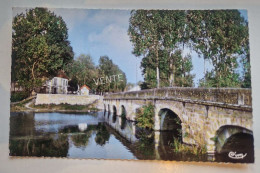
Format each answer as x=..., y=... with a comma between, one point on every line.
x=20, y=106
x=179, y=147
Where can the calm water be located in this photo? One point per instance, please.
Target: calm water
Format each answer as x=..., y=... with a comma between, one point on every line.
x=92, y=135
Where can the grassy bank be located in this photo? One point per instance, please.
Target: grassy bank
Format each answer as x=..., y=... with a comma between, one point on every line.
x=65, y=107
x=21, y=106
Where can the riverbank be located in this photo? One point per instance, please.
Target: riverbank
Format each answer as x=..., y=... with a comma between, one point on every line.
x=28, y=105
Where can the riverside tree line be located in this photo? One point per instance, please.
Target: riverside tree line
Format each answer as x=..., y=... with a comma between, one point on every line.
x=218, y=36
x=40, y=48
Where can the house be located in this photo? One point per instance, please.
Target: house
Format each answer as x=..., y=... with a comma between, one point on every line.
x=135, y=88
x=84, y=90
x=58, y=84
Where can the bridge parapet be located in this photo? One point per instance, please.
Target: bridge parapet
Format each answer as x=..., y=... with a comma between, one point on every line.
x=202, y=111
x=223, y=97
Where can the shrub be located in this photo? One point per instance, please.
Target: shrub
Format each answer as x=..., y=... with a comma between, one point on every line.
x=145, y=117
x=18, y=96
x=179, y=147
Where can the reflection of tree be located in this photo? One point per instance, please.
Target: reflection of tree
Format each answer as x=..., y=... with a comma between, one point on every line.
x=50, y=146
x=114, y=117
x=123, y=122
x=145, y=145
x=102, y=135
x=81, y=140
x=22, y=124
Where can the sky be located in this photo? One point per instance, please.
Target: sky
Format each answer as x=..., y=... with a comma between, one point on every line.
x=104, y=32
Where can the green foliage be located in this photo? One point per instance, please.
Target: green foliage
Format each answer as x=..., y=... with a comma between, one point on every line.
x=107, y=68
x=81, y=71
x=179, y=147
x=145, y=144
x=81, y=140
x=155, y=34
x=18, y=96
x=220, y=36
x=226, y=80
x=40, y=47
x=145, y=117
x=102, y=135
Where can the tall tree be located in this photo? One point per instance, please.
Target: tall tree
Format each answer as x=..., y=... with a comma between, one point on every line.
x=152, y=31
x=81, y=71
x=155, y=35
x=220, y=36
x=109, y=72
x=40, y=47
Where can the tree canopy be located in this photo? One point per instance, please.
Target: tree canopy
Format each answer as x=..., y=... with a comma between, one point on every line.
x=107, y=68
x=81, y=71
x=40, y=47
x=155, y=34
x=219, y=36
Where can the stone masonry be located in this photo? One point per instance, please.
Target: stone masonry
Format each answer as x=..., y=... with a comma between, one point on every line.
x=202, y=111
x=65, y=99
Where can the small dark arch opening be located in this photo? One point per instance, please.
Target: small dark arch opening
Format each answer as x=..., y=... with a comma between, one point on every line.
x=114, y=114
x=108, y=107
x=123, y=117
x=123, y=114
x=108, y=111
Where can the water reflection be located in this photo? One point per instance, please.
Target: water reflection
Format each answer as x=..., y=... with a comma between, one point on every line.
x=97, y=135
x=102, y=135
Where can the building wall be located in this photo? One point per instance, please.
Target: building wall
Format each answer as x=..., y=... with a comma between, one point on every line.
x=65, y=99
x=57, y=86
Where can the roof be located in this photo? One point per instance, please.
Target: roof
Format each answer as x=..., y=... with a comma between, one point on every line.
x=85, y=87
x=62, y=74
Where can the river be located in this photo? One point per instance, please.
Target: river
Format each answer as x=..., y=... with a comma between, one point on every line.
x=92, y=135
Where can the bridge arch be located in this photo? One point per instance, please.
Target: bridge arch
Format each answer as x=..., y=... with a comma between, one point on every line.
x=169, y=120
x=114, y=114
x=123, y=112
x=114, y=110
x=105, y=108
x=232, y=137
x=108, y=108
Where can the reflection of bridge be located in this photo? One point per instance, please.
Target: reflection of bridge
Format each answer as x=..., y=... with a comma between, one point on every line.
x=208, y=116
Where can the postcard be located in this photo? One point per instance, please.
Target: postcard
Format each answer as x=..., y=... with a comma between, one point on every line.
x=131, y=84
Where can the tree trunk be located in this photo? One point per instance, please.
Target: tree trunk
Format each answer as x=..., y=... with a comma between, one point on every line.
x=157, y=67
x=158, y=76
x=33, y=70
x=172, y=72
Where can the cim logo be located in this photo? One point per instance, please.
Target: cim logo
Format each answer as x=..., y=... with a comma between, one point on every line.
x=234, y=155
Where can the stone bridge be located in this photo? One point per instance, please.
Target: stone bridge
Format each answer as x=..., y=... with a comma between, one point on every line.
x=207, y=117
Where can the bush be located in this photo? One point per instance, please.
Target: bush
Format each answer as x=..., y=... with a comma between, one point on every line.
x=145, y=117
x=179, y=147
x=18, y=96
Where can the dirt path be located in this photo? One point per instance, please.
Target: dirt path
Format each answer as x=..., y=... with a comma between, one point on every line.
x=27, y=105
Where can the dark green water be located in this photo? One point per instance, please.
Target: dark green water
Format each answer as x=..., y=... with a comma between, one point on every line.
x=92, y=135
